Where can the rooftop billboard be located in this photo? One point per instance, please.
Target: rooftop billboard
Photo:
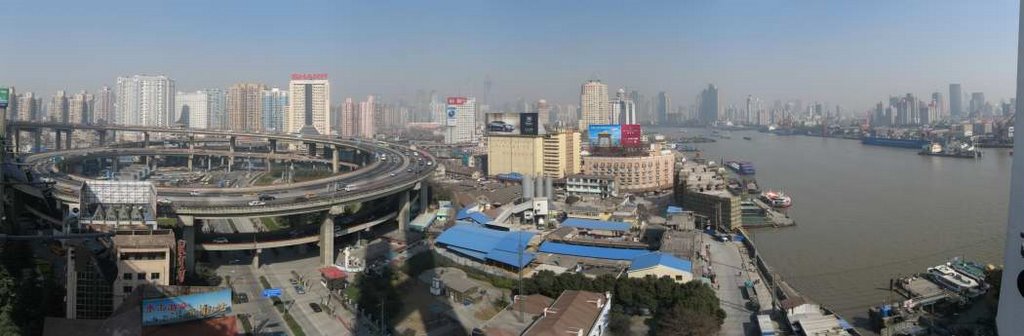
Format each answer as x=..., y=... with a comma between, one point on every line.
x=605, y=135
x=513, y=124
x=632, y=136
x=186, y=307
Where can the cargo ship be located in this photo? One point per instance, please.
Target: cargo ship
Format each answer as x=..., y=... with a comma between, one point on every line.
x=742, y=168
x=893, y=142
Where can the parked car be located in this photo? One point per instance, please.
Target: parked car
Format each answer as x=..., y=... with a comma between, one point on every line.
x=315, y=307
x=300, y=290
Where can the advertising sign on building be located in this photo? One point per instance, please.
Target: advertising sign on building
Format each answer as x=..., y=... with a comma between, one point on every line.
x=632, y=136
x=186, y=307
x=5, y=96
x=312, y=76
x=513, y=124
x=181, y=261
x=605, y=135
x=452, y=113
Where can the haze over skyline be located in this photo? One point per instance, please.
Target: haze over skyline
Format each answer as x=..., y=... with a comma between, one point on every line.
x=853, y=54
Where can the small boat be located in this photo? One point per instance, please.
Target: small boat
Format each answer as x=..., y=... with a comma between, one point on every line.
x=776, y=199
x=747, y=138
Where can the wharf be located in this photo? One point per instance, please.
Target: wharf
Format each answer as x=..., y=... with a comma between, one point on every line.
x=771, y=218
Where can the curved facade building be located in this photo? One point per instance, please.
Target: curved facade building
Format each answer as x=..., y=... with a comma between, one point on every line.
x=634, y=174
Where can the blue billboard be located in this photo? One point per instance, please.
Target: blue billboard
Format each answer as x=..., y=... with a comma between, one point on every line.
x=186, y=307
x=605, y=135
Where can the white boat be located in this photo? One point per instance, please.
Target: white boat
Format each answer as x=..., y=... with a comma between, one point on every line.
x=776, y=199
x=945, y=276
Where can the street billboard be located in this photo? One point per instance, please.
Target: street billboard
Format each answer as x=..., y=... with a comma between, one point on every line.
x=5, y=96
x=632, y=136
x=186, y=307
x=512, y=124
x=605, y=135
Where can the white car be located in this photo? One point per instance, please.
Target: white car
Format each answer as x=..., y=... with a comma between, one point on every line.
x=257, y=203
x=164, y=201
x=194, y=193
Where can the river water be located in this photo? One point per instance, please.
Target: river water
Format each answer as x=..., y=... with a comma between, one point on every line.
x=866, y=214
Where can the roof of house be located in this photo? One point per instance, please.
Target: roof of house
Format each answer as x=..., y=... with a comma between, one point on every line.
x=475, y=216
x=571, y=312
x=591, y=251
x=657, y=258
x=332, y=273
x=487, y=244
x=593, y=224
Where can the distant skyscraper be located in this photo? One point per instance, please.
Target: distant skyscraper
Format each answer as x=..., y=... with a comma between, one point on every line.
x=145, y=100
x=78, y=108
x=28, y=109
x=309, y=104
x=217, y=103
x=663, y=105
x=956, y=104
x=103, y=108
x=364, y=122
x=59, y=107
x=460, y=126
x=623, y=109
x=245, y=106
x=977, y=104
x=543, y=112
x=192, y=109
x=348, y=118
x=709, y=109
x=275, y=105
x=594, y=107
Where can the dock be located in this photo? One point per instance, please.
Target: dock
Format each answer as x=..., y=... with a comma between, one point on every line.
x=770, y=218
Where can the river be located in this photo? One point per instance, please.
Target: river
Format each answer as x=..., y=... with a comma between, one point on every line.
x=866, y=214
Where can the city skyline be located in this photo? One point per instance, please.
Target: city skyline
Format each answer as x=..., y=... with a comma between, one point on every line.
x=674, y=47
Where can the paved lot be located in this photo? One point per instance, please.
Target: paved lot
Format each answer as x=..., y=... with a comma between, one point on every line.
x=278, y=270
x=728, y=264
x=244, y=281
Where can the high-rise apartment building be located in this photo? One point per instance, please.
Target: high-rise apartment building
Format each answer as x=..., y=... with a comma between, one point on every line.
x=460, y=123
x=79, y=111
x=103, y=108
x=977, y=104
x=59, y=107
x=275, y=106
x=543, y=112
x=245, y=106
x=940, y=106
x=348, y=118
x=192, y=109
x=217, y=103
x=594, y=107
x=144, y=100
x=662, y=106
x=956, y=104
x=709, y=104
x=28, y=107
x=364, y=121
x=554, y=155
x=623, y=109
x=309, y=104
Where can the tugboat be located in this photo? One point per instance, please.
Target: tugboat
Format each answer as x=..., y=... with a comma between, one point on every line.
x=776, y=199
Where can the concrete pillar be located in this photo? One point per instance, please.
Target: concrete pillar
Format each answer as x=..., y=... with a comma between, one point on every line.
x=102, y=136
x=335, y=159
x=231, y=144
x=191, y=142
x=311, y=148
x=188, y=233
x=231, y=162
x=145, y=139
x=327, y=242
x=38, y=134
x=17, y=140
x=273, y=145
x=403, y=211
x=57, y=140
x=424, y=198
x=191, y=161
x=256, y=258
x=67, y=139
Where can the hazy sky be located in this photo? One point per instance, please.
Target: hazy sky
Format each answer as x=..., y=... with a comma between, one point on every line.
x=852, y=53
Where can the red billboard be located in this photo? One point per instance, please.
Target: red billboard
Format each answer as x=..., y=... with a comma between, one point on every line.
x=457, y=100
x=631, y=135
x=310, y=76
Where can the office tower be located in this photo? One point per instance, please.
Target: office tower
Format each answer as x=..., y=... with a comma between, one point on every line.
x=217, y=103
x=27, y=108
x=594, y=107
x=956, y=104
x=460, y=126
x=940, y=106
x=977, y=104
x=365, y=119
x=709, y=109
x=623, y=109
x=59, y=107
x=78, y=108
x=663, y=104
x=192, y=109
x=144, y=100
x=309, y=104
x=437, y=107
x=543, y=112
x=103, y=108
x=348, y=118
x=275, y=103
x=245, y=106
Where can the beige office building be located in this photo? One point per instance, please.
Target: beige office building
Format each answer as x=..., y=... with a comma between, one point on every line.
x=650, y=172
x=309, y=104
x=142, y=256
x=553, y=155
x=594, y=107
x=245, y=107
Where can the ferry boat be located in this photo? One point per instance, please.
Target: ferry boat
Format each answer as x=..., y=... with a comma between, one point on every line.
x=742, y=168
x=776, y=199
x=946, y=277
x=968, y=268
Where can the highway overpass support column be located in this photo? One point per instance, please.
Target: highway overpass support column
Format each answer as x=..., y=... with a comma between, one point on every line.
x=311, y=148
x=336, y=159
x=67, y=139
x=423, y=197
x=38, y=134
x=256, y=258
x=17, y=140
x=188, y=233
x=57, y=140
x=231, y=144
x=102, y=135
x=145, y=139
x=403, y=211
x=191, y=161
x=273, y=145
x=327, y=242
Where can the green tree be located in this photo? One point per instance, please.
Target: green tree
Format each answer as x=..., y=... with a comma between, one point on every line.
x=681, y=320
